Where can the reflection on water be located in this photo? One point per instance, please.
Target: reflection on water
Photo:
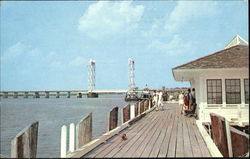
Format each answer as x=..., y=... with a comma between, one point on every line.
x=52, y=113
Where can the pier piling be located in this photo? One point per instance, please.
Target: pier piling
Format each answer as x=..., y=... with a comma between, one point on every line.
x=26, y=94
x=5, y=94
x=36, y=95
x=46, y=94
x=68, y=95
x=57, y=94
x=15, y=95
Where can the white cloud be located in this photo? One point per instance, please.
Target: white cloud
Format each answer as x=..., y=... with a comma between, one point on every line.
x=176, y=46
x=187, y=11
x=14, y=51
x=78, y=61
x=106, y=18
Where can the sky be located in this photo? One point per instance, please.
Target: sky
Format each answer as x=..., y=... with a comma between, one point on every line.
x=46, y=45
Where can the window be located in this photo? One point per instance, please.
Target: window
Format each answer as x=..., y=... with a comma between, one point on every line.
x=246, y=88
x=214, y=91
x=233, y=91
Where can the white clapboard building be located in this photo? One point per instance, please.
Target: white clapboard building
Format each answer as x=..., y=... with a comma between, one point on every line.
x=221, y=81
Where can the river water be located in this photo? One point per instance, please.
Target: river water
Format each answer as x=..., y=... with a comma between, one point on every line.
x=52, y=113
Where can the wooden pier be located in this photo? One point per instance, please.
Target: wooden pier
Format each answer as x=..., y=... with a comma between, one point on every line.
x=162, y=133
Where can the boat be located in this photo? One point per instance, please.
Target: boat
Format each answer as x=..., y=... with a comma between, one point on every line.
x=131, y=96
x=145, y=95
x=92, y=95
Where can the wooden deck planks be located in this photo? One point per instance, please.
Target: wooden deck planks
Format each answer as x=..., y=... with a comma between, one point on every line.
x=180, y=139
x=173, y=138
x=187, y=143
x=148, y=125
x=155, y=151
x=111, y=143
x=136, y=144
x=194, y=142
x=165, y=144
x=154, y=140
x=142, y=140
x=204, y=150
x=159, y=134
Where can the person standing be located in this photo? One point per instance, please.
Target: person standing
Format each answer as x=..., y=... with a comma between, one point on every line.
x=160, y=100
x=181, y=101
x=193, y=102
x=190, y=99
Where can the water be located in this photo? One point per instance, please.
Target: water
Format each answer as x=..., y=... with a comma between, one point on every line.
x=52, y=113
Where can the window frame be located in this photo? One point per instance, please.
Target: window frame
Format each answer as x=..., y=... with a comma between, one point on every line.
x=233, y=93
x=246, y=95
x=212, y=92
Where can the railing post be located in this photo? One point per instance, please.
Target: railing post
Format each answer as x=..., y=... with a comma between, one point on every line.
x=113, y=119
x=63, y=141
x=84, y=131
x=72, y=137
x=229, y=141
x=132, y=111
x=136, y=109
x=219, y=133
x=126, y=113
x=24, y=145
x=141, y=106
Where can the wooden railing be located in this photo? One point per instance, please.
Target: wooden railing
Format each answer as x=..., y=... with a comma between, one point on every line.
x=129, y=114
x=24, y=145
x=230, y=141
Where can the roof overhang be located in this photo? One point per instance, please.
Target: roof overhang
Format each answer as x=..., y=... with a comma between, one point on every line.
x=189, y=74
x=183, y=74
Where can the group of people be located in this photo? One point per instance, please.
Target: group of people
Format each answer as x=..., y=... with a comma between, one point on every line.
x=187, y=103
x=158, y=99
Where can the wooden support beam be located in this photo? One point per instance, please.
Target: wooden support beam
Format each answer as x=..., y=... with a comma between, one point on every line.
x=113, y=119
x=84, y=131
x=24, y=145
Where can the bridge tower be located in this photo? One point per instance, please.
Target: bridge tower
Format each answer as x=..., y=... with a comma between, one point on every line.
x=131, y=74
x=91, y=79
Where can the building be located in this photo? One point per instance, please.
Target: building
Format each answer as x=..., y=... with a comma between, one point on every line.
x=221, y=81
